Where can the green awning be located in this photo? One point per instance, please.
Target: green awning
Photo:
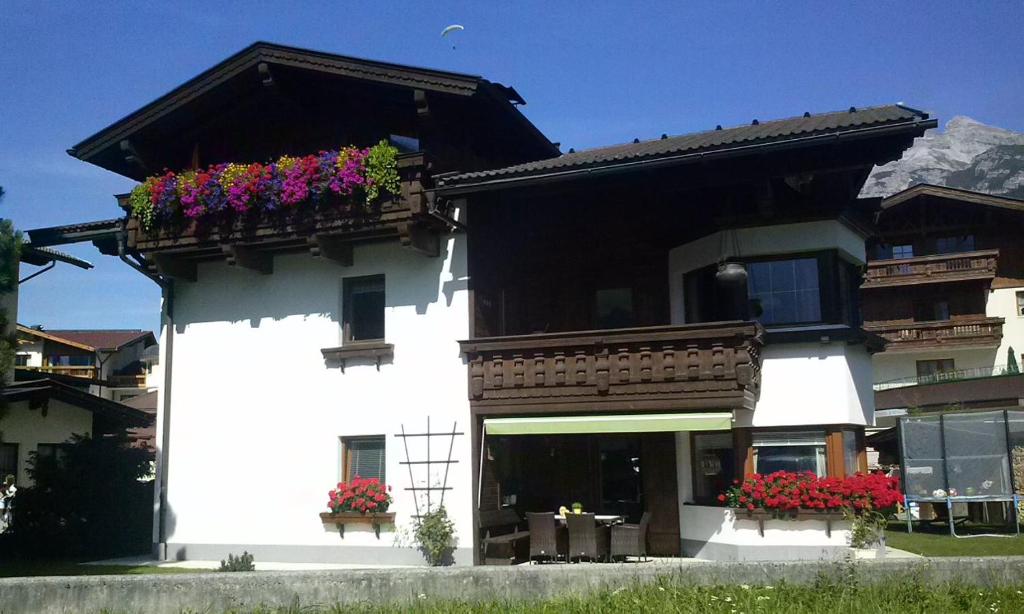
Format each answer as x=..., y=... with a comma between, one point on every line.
x=632, y=423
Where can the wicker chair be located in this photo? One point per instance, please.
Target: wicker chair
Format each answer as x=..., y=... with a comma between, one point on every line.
x=630, y=539
x=586, y=539
x=543, y=542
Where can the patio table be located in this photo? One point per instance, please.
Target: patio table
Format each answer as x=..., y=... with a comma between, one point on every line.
x=602, y=518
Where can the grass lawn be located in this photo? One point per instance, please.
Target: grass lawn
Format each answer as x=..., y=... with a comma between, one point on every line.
x=11, y=569
x=902, y=597
x=936, y=541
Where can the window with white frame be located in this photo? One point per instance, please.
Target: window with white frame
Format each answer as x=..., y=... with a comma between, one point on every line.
x=1020, y=304
x=902, y=251
x=796, y=451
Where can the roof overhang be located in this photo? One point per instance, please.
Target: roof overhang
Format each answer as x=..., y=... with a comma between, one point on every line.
x=97, y=232
x=604, y=424
x=40, y=256
x=38, y=392
x=952, y=195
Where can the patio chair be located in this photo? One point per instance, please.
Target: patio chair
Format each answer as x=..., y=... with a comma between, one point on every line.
x=586, y=539
x=630, y=539
x=543, y=541
x=499, y=548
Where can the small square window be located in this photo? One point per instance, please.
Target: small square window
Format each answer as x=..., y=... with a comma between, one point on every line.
x=935, y=370
x=363, y=457
x=56, y=451
x=21, y=360
x=363, y=309
x=1020, y=304
x=902, y=251
x=8, y=460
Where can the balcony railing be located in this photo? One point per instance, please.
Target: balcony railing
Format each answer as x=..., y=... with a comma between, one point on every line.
x=931, y=269
x=87, y=372
x=978, y=332
x=127, y=381
x=695, y=366
x=328, y=234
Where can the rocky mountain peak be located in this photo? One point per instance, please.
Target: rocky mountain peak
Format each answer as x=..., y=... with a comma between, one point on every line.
x=967, y=154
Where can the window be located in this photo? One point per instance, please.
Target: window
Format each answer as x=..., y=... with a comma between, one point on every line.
x=405, y=144
x=851, y=452
x=954, y=245
x=613, y=308
x=714, y=464
x=362, y=457
x=74, y=360
x=931, y=311
x=56, y=451
x=902, y=251
x=933, y=369
x=8, y=460
x=785, y=291
x=790, y=451
x=363, y=308
x=1020, y=304
x=21, y=360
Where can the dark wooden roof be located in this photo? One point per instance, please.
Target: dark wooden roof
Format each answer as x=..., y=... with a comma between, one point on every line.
x=40, y=256
x=808, y=129
x=100, y=230
x=222, y=81
x=44, y=389
x=105, y=339
x=951, y=194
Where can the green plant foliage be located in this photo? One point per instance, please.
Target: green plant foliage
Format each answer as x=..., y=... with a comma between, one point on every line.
x=88, y=502
x=10, y=249
x=435, y=535
x=866, y=528
x=242, y=562
x=142, y=205
x=382, y=171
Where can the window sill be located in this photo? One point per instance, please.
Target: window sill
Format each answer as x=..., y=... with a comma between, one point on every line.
x=376, y=352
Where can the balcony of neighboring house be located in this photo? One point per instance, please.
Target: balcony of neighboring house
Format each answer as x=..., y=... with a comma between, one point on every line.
x=954, y=267
x=127, y=381
x=84, y=371
x=971, y=332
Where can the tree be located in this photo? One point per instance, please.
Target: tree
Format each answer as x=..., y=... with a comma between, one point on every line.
x=10, y=246
x=1011, y=361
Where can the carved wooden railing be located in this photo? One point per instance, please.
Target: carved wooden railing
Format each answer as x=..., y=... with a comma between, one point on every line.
x=693, y=366
x=78, y=371
x=930, y=269
x=979, y=332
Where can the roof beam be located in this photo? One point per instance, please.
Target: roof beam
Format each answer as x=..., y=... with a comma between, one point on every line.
x=422, y=240
x=175, y=268
x=248, y=258
x=332, y=248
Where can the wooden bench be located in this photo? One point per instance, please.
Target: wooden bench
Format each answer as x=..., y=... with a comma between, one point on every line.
x=498, y=548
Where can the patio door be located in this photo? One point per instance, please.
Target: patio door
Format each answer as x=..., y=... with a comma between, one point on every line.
x=661, y=492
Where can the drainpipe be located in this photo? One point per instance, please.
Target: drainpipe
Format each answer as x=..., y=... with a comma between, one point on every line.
x=167, y=293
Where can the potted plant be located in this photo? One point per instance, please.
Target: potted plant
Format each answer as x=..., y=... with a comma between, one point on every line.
x=577, y=508
x=363, y=500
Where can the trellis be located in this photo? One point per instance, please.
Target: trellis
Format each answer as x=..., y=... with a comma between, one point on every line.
x=448, y=461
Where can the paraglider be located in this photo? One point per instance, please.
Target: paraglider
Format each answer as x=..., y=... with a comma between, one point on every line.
x=449, y=29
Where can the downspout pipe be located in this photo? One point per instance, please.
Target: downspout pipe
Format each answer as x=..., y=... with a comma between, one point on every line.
x=160, y=496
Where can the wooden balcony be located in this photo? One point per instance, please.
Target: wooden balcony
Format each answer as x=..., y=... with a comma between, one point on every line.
x=127, y=381
x=326, y=234
x=978, y=332
x=689, y=367
x=86, y=372
x=931, y=269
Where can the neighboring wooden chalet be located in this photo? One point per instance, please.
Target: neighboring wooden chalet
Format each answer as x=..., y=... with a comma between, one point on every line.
x=110, y=360
x=501, y=326
x=945, y=287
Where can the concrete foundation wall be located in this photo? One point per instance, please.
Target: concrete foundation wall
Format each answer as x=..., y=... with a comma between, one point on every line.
x=218, y=592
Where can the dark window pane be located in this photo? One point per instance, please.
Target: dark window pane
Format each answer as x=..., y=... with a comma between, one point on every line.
x=902, y=251
x=614, y=308
x=714, y=466
x=785, y=291
x=364, y=308
x=8, y=460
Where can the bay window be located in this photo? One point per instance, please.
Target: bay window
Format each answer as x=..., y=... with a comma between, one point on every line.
x=796, y=451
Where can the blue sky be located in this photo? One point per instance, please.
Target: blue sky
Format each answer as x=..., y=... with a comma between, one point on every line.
x=593, y=73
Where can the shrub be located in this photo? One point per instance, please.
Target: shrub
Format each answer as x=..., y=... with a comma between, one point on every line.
x=89, y=503
x=243, y=562
x=435, y=534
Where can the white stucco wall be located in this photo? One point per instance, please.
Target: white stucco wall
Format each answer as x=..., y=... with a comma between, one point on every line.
x=1002, y=303
x=813, y=383
x=257, y=416
x=801, y=383
x=33, y=349
x=30, y=427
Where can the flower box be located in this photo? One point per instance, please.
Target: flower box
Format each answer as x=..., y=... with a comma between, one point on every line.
x=342, y=518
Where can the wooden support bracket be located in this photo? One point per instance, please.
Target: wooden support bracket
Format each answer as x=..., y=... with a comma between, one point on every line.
x=175, y=268
x=331, y=247
x=423, y=240
x=248, y=258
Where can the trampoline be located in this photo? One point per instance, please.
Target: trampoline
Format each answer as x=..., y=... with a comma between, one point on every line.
x=964, y=457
